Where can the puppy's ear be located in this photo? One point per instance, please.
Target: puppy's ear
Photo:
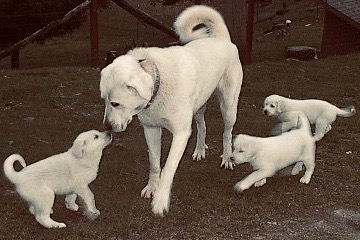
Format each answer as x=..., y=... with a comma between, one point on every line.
x=77, y=148
x=279, y=108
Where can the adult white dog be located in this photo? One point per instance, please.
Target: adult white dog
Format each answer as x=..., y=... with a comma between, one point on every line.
x=67, y=173
x=269, y=155
x=320, y=113
x=167, y=87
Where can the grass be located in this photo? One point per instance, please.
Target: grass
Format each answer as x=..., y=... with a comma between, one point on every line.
x=43, y=109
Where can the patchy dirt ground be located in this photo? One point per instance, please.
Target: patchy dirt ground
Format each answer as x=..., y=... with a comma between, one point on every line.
x=42, y=110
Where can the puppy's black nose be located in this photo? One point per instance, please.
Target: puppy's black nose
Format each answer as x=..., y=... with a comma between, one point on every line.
x=265, y=111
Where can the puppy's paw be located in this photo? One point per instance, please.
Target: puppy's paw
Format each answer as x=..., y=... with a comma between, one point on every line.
x=73, y=207
x=260, y=183
x=59, y=225
x=238, y=187
x=305, y=180
x=160, y=204
x=92, y=215
x=148, y=191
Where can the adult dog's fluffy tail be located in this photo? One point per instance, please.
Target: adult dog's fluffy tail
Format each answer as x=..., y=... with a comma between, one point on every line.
x=9, y=170
x=200, y=22
x=347, y=112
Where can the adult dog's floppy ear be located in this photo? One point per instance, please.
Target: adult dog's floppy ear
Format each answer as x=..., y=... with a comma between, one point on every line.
x=142, y=81
x=77, y=148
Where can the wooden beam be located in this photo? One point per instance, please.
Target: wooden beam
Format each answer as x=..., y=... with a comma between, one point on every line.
x=146, y=18
x=32, y=38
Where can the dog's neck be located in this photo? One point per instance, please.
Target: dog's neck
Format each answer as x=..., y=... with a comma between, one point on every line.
x=156, y=86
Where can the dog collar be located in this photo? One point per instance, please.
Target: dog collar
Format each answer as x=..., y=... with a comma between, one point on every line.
x=156, y=86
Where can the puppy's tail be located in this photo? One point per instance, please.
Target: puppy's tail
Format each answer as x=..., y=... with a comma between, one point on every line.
x=9, y=170
x=347, y=112
x=200, y=22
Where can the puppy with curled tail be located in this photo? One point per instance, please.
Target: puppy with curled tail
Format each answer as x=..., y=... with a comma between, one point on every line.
x=67, y=173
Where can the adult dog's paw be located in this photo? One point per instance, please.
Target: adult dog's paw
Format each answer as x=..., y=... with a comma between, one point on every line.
x=227, y=165
x=148, y=191
x=199, y=153
x=160, y=204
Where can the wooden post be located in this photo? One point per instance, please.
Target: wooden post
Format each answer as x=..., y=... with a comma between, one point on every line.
x=94, y=34
x=249, y=30
x=240, y=23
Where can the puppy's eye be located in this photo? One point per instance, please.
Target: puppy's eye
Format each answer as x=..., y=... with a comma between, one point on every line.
x=272, y=105
x=115, y=104
x=96, y=136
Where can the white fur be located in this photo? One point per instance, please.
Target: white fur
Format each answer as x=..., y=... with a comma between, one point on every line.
x=269, y=155
x=320, y=113
x=188, y=74
x=67, y=173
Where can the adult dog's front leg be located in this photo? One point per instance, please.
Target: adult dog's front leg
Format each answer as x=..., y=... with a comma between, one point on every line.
x=161, y=201
x=153, y=140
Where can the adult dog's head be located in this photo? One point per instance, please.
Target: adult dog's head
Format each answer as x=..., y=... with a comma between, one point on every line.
x=90, y=143
x=272, y=105
x=126, y=86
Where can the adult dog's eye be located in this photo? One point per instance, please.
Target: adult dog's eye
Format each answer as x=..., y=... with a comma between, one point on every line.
x=96, y=136
x=115, y=104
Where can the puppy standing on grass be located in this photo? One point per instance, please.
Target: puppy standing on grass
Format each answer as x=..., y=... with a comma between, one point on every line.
x=67, y=173
x=269, y=155
x=320, y=113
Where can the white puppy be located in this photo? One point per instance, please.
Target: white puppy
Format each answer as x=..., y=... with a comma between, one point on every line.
x=269, y=155
x=67, y=173
x=320, y=113
x=167, y=87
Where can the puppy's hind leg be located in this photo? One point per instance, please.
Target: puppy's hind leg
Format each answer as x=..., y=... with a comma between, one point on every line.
x=310, y=166
x=41, y=205
x=70, y=202
x=321, y=128
x=297, y=168
x=201, y=146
